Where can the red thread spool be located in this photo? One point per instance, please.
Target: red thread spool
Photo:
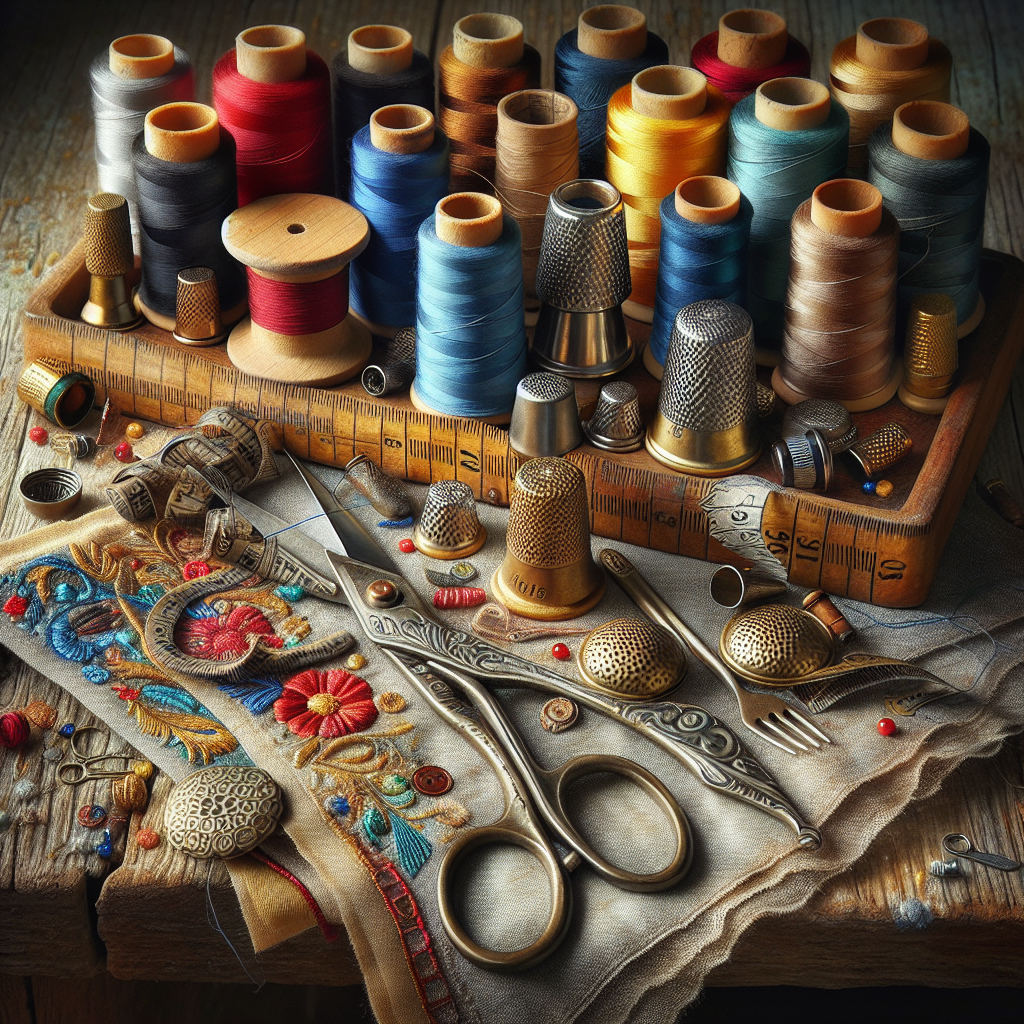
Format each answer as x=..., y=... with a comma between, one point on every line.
x=14, y=729
x=274, y=97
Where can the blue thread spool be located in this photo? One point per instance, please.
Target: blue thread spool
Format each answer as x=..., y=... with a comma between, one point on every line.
x=705, y=236
x=399, y=173
x=784, y=140
x=470, y=339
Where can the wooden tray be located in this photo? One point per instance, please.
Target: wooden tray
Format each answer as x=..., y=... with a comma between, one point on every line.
x=881, y=550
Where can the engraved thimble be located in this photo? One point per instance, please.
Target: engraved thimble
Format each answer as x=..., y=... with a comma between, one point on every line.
x=631, y=658
x=396, y=369
x=197, y=308
x=545, y=417
x=582, y=280
x=616, y=425
x=930, y=353
x=882, y=449
x=380, y=488
x=548, y=571
x=707, y=408
x=804, y=461
x=109, y=259
x=829, y=418
x=449, y=527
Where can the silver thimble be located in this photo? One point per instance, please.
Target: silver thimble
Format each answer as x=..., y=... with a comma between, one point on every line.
x=804, y=461
x=545, y=418
x=732, y=587
x=707, y=407
x=582, y=280
x=449, y=527
x=396, y=369
x=882, y=449
x=109, y=260
x=197, y=308
x=831, y=419
x=616, y=425
x=378, y=487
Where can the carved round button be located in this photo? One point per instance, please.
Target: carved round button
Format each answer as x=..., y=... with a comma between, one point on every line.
x=382, y=594
x=558, y=714
x=431, y=780
x=223, y=811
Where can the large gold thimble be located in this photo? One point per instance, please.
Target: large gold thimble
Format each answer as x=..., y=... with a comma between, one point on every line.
x=109, y=260
x=548, y=571
x=930, y=353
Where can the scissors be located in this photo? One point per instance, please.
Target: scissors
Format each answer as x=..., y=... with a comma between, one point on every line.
x=73, y=773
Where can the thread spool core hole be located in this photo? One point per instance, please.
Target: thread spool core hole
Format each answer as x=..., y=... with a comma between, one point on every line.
x=296, y=229
x=612, y=32
x=141, y=56
x=707, y=199
x=402, y=116
x=895, y=31
x=847, y=206
x=754, y=22
x=143, y=45
x=488, y=40
x=792, y=104
x=612, y=17
x=793, y=92
x=538, y=107
x=272, y=37
x=668, y=92
x=931, y=130
x=182, y=117
x=490, y=26
x=468, y=206
x=892, y=44
x=751, y=38
x=380, y=37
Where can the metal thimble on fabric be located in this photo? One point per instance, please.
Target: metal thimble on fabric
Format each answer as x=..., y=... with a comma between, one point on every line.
x=804, y=461
x=882, y=449
x=396, y=369
x=616, y=425
x=632, y=658
x=930, y=356
x=831, y=419
x=449, y=527
x=548, y=571
x=582, y=280
x=197, y=308
x=109, y=259
x=545, y=417
x=378, y=487
x=707, y=408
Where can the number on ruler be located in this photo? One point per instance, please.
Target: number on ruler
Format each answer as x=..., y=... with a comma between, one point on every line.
x=469, y=460
x=808, y=544
x=893, y=569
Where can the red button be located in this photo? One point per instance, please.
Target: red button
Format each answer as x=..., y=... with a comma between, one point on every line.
x=561, y=652
x=406, y=545
x=887, y=727
x=431, y=780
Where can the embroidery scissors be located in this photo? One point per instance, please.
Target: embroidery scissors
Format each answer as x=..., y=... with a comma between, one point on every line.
x=73, y=773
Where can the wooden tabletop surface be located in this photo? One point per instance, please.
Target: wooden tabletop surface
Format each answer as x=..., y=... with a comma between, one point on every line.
x=151, y=923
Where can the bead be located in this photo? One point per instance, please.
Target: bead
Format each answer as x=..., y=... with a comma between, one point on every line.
x=558, y=714
x=292, y=641
x=459, y=597
x=124, y=452
x=561, y=652
x=67, y=729
x=16, y=606
x=391, y=702
x=191, y=570
x=354, y=662
x=144, y=769
x=883, y=488
x=406, y=545
x=290, y=593
x=431, y=780
x=147, y=838
x=91, y=815
x=105, y=848
x=14, y=729
x=887, y=727
x=136, y=564
x=337, y=805
x=40, y=435
x=134, y=431
x=868, y=487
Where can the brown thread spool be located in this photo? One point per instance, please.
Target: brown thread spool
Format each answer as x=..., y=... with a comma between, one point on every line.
x=752, y=38
x=820, y=605
x=841, y=301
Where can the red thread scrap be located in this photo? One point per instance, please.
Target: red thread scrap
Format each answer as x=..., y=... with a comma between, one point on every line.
x=287, y=307
x=326, y=928
x=738, y=82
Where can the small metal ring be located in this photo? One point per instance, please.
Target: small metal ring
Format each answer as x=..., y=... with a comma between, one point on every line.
x=962, y=844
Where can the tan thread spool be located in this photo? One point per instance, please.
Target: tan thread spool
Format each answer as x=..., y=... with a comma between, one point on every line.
x=271, y=53
x=488, y=40
x=141, y=56
x=612, y=32
x=379, y=49
x=792, y=104
x=752, y=38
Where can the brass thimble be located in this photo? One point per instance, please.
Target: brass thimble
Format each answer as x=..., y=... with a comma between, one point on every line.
x=632, y=658
x=930, y=353
x=197, y=308
x=616, y=425
x=548, y=571
x=882, y=449
x=397, y=367
x=449, y=527
x=768, y=403
x=109, y=259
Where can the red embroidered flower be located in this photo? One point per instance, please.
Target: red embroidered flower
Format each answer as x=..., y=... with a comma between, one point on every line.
x=225, y=636
x=16, y=606
x=126, y=692
x=332, y=703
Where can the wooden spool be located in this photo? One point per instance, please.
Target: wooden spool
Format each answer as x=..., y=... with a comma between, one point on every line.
x=271, y=53
x=488, y=40
x=298, y=238
x=752, y=38
x=612, y=32
x=141, y=56
x=892, y=44
x=379, y=49
x=792, y=104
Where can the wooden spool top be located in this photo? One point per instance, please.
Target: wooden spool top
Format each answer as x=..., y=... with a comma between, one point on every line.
x=792, y=104
x=271, y=53
x=488, y=40
x=402, y=128
x=379, y=49
x=468, y=219
x=535, y=116
x=892, y=44
x=931, y=130
x=296, y=237
x=752, y=38
x=669, y=93
x=707, y=199
x=612, y=32
x=141, y=56
x=182, y=132
x=846, y=206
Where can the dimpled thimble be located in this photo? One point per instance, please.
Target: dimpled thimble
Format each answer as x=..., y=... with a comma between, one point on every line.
x=449, y=527
x=109, y=260
x=930, y=356
x=831, y=419
x=882, y=449
x=616, y=425
x=397, y=367
x=545, y=418
x=197, y=308
x=548, y=571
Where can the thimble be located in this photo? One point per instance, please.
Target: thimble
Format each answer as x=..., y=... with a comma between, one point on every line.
x=50, y=493
x=732, y=587
x=804, y=461
x=882, y=449
x=616, y=425
x=707, y=408
x=197, y=309
x=831, y=419
x=109, y=259
x=768, y=403
x=378, y=487
x=930, y=353
x=448, y=527
x=545, y=418
x=632, y=658
x=582, y=281
x=396, y=369
x=548, y=571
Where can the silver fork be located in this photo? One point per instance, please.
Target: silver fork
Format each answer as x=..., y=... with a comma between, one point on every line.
x=768, y=717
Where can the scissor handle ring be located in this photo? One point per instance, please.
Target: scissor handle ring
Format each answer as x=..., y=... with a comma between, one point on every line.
x=561, y=900
x=72, y=774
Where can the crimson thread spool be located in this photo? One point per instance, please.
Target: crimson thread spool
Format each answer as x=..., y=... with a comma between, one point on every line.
x=297, y=248
x=274, y=97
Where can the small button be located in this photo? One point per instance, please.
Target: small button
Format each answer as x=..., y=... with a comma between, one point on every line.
x=382, y=594
x=431, y=780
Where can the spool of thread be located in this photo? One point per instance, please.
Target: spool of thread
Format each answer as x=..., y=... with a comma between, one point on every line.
x=889, y=62
x=399, y=173
x=378, y=68
x=750, y=47
x=536, y=150
x=132, y=76
x=274, y=97
x=665, y=126
x=608, y=48
x=705, y=234
x=185, y=173
x=488, y=60
x=470, y=339
x=297, y=248
x=931, y=167
x=841, y=303
x=784, y=141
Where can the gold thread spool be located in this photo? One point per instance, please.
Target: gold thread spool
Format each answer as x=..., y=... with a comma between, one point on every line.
x=752, y=38
x=667, y=125
x=930, y=357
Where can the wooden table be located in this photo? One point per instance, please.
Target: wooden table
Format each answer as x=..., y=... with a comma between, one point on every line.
x=66, y=931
